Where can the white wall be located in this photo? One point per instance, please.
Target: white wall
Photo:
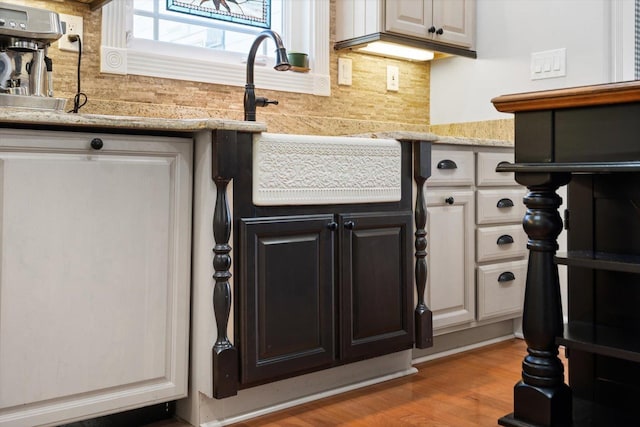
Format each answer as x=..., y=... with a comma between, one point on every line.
x=508, y=31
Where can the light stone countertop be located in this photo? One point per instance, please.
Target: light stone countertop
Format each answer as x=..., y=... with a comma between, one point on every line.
x=26, y=116
x=438, y=139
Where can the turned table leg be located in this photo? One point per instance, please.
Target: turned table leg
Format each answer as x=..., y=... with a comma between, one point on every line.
x=541, y=398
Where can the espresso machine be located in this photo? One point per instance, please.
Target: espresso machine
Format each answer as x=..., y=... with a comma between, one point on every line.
x=26, y=78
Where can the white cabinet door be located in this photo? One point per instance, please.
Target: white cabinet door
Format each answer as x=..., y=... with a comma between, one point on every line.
x=94, y=276
x=454, y=21
x=448, y=21
x=411, y=17
x=450, y=257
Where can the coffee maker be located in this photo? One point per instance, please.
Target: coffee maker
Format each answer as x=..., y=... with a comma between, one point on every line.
x=26, y=78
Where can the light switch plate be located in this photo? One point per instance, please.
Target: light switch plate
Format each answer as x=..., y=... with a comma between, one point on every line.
x=549, y=64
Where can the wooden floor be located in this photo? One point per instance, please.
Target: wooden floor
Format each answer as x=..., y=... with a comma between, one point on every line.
x=469, y=389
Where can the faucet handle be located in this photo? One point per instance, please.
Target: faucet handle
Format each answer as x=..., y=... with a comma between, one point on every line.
x=263, y=102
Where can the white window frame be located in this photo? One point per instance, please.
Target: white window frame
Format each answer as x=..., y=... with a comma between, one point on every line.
x=621, y=40
x=120, y=54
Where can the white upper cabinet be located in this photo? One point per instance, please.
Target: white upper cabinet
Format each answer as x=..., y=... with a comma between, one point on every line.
x=456, y=19
x=411, y=17
x=446, y=23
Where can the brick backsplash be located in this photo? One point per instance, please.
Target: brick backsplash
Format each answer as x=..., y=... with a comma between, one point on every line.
x=366, y=106
x=501, y=129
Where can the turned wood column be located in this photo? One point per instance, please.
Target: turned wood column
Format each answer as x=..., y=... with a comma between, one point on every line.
x=542, y=398
x=225, y=355
x=423, y=317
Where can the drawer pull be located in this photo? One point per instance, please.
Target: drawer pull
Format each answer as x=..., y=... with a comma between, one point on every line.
x=505, y=239
x=505, y=203
x=333, y=226
x=449, y=200
x=502, y=164
x=96, y=143
x=447, y=164
x=507, y=276
x=349, y=225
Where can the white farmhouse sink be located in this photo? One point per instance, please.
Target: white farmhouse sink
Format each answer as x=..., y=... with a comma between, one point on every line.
x=310, y=170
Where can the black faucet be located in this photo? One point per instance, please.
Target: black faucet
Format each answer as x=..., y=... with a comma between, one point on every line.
x=282, y=64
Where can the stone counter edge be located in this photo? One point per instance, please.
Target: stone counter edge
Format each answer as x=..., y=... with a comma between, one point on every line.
x=437, y=139
x=56, y=118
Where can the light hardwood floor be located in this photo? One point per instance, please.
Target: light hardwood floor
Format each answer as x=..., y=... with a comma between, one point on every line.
x=466, y=390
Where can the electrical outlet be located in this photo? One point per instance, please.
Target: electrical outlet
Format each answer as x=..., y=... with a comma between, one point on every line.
x=393, y=76
x=345, y=68
x=72, y=25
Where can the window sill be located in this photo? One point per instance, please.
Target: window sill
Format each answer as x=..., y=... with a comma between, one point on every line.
x=121, y=56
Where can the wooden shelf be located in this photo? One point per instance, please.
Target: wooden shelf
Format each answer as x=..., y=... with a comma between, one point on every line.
x=600, y=261
x=602, y=340
x=584, y=96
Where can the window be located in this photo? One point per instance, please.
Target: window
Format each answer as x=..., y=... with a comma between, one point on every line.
x=152, y=21
x=141, y=37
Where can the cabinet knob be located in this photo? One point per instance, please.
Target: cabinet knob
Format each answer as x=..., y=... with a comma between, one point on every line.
x=333, y=226
x=440, y=31
x=505, y=239
x=432, y=29
x=97, y=144
x=507, y=276
x=349, y=225
x=505, y=203
x=447, y=164
x=449, y=200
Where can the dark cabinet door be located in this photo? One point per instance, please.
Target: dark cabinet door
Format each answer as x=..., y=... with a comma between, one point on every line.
x=286, y=296
x=375, y=278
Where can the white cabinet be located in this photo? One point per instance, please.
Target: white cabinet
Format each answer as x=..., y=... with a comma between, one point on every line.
x=476, y=243
x=450, y=290
x=502, y=242
x=440, y=22
x=95, y=273
x=445, y=21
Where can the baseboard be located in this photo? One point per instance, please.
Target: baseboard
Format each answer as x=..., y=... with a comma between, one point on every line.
x=461, y=349
x=307, y=399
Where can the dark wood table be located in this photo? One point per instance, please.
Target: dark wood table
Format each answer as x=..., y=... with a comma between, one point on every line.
x=589, y=138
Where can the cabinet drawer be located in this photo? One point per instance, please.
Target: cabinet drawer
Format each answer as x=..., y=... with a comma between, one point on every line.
x=506, y=241
x=501, y=289
x=504, y=205
x=486, y=169
x=451, y=167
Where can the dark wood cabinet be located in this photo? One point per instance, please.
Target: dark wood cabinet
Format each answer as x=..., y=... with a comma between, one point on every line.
x=286, y=296
x=375, y=276
x=320, y=285
x=309, y=282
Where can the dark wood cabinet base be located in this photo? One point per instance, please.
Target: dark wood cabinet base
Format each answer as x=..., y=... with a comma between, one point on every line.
x=318, y=286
